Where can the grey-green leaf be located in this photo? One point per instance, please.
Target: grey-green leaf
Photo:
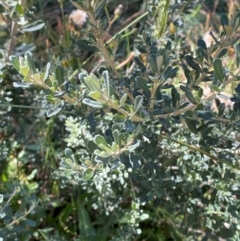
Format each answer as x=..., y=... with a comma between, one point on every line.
x=190, y=97
x=218, y=69
x=39, y=24
x=46, y=72
x=92, y=103
x=54, y=111
x=138, y=103
x=107, y=82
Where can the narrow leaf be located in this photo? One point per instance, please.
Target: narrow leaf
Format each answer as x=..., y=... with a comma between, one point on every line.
x=190, y=61
x=54, y=111
x=92, y=103
x=15, y=62
x=39, y=24
x=46, y=72
x=123, y=99
x=117, y=137
x=59, y=72
x=218, y=69
x=107, y=82
x=190, y=97
x=138, y=103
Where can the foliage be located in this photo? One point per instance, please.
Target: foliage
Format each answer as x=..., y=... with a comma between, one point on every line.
x=147, y=156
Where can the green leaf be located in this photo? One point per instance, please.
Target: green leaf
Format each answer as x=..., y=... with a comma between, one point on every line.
x=92, y=103
x=30, y=222
x=1, y=198
x=96, y=95
x=68, y=153
x=218, y=69
x=138, y=103
x=200, y=92
x=221, y=109
x=201, y=43
x=79, y=5
x=59, y=72
x=175, y=97
x=123, y=99
x=54, y=111
x=152, y=59
x=117, y=137
x=224, y=20
x=99, y=9
x=141, y=83
x=121, y=49
x=190, y=61
x=88, y=233
x=30, y=61
x=222, y=53
x=19, y=9
x=46, y=74
x=39, y=24
x=86, y=45
x=21, y=85
x=100, y=140
x=167, y=74
x=107, y=82
x=190, y=97
x=102, y=153
x=192, y=125
x=15, y=62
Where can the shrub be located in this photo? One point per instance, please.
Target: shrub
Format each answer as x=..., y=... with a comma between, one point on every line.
x=145, y=149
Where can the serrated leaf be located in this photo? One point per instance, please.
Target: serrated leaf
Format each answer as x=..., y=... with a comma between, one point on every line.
x=92, y=103
x=218, y=69
x=138, y=103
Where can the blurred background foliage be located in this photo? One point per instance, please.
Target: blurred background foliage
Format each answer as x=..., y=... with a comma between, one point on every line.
x=38, y=203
